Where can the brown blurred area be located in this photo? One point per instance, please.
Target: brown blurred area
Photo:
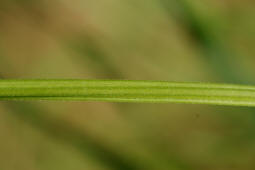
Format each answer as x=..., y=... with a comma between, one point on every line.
x=172, y=40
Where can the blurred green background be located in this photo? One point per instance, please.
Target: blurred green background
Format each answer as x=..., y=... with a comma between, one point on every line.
x=172, y=40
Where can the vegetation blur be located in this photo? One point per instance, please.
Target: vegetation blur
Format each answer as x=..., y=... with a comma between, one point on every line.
x=172, y=40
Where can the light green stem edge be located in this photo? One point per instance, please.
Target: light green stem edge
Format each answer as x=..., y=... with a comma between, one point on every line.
x=128, y=91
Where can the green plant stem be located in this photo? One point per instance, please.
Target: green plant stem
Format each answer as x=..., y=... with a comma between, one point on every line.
x=128, y=91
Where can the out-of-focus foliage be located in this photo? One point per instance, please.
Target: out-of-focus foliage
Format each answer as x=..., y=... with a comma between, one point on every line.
x=175, y=40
